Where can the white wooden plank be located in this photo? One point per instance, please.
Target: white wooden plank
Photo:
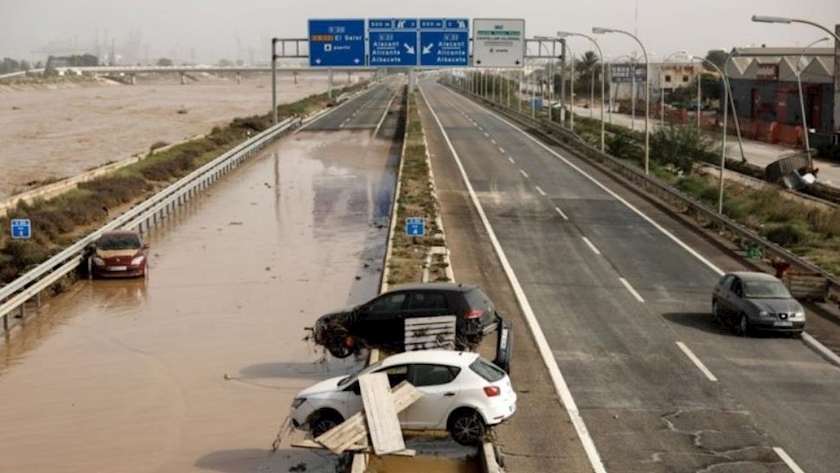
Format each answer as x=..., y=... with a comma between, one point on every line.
x=311, y=444
x=430, y=332
x=360, y=463
x=381, y=414
x=354, y=429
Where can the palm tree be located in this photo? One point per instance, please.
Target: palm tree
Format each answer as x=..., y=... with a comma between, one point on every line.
x=584, y=67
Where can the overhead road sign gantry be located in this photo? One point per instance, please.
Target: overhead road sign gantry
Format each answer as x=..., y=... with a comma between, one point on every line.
x=337, y=43
x=498, y=42
x=444, y=42
x=393, y=42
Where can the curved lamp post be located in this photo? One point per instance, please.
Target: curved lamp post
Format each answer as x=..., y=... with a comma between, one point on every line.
x=802, y=101
x=727, y=93
x=778, y=19
x=600, y=30
x=662, y=89
x=562, y=34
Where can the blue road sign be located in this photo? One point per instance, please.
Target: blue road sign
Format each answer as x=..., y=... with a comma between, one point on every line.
x=445, y=42
x=415, y=226
x=21, y=228
x=337, y=43
x=393, y=42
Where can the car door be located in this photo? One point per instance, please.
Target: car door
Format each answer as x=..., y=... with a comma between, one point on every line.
x=735, y=299
x=440, y=387
x=428, y=303
x=381, y=320
x=721, y=294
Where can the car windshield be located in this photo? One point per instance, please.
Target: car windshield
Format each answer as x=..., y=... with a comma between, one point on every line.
x=353, y=377
x=766, y=290
x=119, y=242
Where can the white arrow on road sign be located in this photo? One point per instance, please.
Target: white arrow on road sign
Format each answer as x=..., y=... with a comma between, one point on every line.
x=356, y=60
x=428, y=48
x=409, y=49
x=318, y=61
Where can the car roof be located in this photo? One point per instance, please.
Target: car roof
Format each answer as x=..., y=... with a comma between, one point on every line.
x=438, y=357
x=754, y=276
x=440, y=286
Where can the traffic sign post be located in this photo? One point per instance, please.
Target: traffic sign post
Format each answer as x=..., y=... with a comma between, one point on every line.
x=445, y=42
x=21, y=228
x=393, y=42
x=415, y=227
x=337, y=43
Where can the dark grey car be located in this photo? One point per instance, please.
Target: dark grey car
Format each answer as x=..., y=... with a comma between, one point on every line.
x=756, y=301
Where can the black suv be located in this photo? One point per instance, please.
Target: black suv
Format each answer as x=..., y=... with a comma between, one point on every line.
x=380, y=321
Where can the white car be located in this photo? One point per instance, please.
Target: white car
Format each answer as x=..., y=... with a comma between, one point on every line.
x=462, y=393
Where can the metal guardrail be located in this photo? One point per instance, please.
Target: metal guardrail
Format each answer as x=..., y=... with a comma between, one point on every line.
x=15, y=294
x=663, y=190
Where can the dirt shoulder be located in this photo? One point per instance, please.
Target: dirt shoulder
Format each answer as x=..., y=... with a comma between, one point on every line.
x=540, y=437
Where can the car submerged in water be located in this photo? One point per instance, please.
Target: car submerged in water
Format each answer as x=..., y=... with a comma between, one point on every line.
x=119, y=253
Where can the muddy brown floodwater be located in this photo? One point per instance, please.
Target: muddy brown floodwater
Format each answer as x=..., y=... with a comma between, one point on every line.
x=129, y=376
x=58, y=133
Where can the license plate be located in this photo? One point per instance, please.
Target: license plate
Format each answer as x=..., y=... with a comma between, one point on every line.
x=783, y=323
x=117, y=268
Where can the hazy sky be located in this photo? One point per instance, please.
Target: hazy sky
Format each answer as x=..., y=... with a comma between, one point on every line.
x=207, y=30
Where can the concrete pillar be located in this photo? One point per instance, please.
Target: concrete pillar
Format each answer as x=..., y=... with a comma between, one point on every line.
x=183, y=79
x=295, y=74
x=133, y=79
x=238, y=78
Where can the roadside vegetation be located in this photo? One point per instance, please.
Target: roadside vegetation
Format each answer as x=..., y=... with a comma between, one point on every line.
x=58, y=222
x=416, y=199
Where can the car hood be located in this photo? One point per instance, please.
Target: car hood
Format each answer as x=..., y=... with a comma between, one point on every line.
x=116, y=253
x=326, y=386
x=776, y=306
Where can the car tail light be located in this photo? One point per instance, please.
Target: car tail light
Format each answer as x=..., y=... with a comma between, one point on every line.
x=492, y=391
x=475, y=314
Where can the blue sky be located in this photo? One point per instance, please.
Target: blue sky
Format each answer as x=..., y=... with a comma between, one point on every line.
x=209, y=30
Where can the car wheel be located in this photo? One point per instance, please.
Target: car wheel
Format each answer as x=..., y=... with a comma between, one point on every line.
x=323, y=422
x=467, y=427
x=744, y=325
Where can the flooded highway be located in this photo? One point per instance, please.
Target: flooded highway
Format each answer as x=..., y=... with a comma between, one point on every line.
x=194, y=368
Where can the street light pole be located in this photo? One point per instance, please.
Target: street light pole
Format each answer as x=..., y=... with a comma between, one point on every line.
x=727, y=93
x=598, y=30
x=662, y=88
x=603, y=78
x=776, y=19
x=802, y=101
x=274, y=79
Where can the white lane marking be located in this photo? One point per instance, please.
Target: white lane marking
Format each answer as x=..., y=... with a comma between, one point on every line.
x=502, y=150
x=524, y=174
x=691, y=356
x=560, y=386
x=591, y=246
x=512, y=161
x=788, y=460
x=486, y=135
x=632, y=291
x=384, y=113
x=492, y=140
x=613, y=194
x=539, y=189
x=561, y=213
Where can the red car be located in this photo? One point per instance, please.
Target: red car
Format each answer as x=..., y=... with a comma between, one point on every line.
x=119, y=254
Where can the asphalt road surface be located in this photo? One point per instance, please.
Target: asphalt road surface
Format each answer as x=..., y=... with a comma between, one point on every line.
x=365, y=112
x=625, y=311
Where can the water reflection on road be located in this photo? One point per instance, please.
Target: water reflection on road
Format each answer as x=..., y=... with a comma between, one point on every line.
x=129, y=375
